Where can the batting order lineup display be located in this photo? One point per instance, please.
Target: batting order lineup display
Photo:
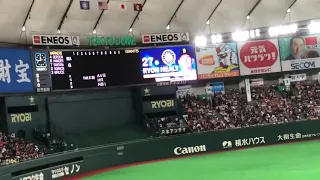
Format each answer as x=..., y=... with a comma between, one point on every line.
x=83, y=69
x=94, y=69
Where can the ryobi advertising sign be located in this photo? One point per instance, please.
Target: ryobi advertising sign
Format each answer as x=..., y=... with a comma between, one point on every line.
x=159, y=106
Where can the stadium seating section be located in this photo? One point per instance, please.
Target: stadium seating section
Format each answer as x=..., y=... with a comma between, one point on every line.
x=270, y=105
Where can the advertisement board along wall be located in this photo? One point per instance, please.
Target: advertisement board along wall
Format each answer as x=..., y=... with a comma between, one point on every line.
x=16, y=71
x=299, y=52
x=170, y=147
x=217, y=61
x=259, y=57
x=165, y=38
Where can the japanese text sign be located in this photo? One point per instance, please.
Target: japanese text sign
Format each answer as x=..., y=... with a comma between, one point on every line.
x=259, y=57
x=15, y=71
x=66, y=170
x=217, y=61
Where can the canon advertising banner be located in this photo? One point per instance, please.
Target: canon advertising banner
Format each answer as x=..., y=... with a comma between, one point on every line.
x=299, y=52
x=259, y=57
x=217, y=61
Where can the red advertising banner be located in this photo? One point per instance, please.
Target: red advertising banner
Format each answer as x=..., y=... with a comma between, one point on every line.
x=259, y=57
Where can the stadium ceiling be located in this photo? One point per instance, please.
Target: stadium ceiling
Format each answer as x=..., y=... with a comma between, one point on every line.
x=194, y=16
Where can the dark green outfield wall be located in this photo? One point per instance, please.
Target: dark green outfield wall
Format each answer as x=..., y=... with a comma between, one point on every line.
x=96, y=111
x=90, y=159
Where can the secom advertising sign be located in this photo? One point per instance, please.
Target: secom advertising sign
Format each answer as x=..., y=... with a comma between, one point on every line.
x=259, y=57
x=299, y=52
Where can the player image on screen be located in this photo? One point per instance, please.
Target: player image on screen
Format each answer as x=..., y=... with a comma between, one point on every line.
x=169, y=63
x=185, y=61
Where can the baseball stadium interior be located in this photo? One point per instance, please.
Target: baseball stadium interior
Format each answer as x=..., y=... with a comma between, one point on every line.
x=121, y=89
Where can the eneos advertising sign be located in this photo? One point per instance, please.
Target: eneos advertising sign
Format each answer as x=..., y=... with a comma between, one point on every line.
x=165, y=38
x=217, y=61
x=299, y=52
x=56, y=40
x=259, y=57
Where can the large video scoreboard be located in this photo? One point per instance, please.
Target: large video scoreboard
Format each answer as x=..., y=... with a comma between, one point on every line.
x=95, y=68
x=83, y=69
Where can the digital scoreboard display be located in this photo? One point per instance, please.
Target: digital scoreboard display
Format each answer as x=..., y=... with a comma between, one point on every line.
x=169, y=63
x=83, y=69
x=41, y=70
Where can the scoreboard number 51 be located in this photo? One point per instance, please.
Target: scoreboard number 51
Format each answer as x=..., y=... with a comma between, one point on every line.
x=147, y=61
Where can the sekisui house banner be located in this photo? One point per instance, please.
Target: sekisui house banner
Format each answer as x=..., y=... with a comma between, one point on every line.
x=299, y=52
x=259, y=57
x=217, y=61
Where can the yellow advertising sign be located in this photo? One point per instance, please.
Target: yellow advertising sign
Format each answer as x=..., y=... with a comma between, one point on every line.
x=21, y=117
x=162, y=104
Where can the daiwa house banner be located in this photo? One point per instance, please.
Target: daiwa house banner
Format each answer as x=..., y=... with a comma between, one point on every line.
x=299, y=52
x=217, y=61
x=259, y=57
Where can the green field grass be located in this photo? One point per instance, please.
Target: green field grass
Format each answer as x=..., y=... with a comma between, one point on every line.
x=298, y=161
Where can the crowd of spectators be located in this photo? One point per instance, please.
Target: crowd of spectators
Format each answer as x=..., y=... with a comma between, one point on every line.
x=308, y=99
x=216, y=111
x=274, y=106
x=230, y=109
x=14, y=149
x=268, y=106
x=235, y=109
x=201, y=115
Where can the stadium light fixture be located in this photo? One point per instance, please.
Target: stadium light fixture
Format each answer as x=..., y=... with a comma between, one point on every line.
x=314, y=27
x=257, y=32
x=283, y=30
x=200, y=41
x=240, y=35
x=252, y=34
x=216, y=39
